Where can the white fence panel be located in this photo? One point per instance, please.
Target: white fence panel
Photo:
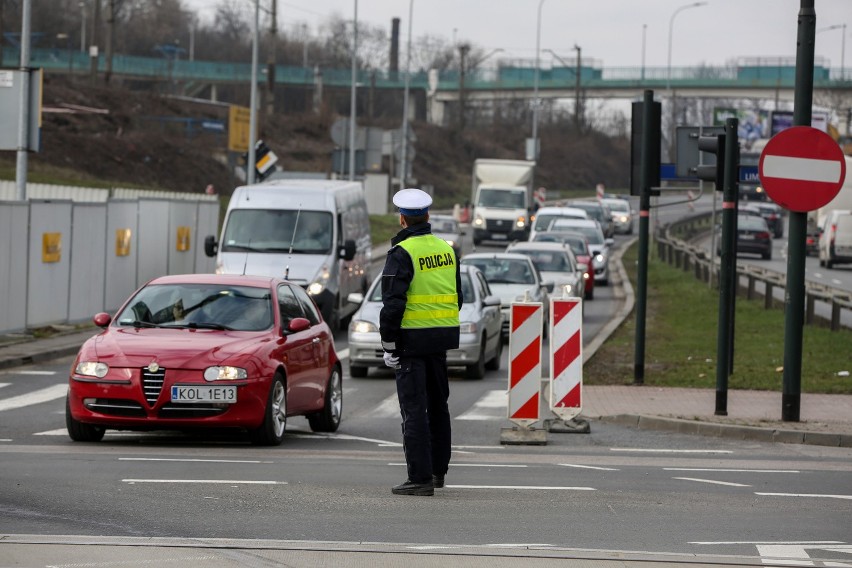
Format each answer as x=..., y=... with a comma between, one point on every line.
x=88, y=277
x=128, y=193
x=49, y=262
x=121, y=252
x=183, y=224
x=13, y=263
x=153, y=240
x=208, y=224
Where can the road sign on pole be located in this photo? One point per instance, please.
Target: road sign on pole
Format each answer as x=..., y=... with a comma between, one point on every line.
x=802, y=168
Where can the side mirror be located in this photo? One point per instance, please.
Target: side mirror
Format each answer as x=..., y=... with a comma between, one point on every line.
x=102, y=319
x=211, y=247
x=548, y=285
x=491, y=301
x=347, y=251
x=355, y=298
x=609, y=242
x=298, y=324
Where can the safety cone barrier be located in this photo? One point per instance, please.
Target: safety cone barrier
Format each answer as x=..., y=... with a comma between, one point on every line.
x=525, y=330
x=566, y=357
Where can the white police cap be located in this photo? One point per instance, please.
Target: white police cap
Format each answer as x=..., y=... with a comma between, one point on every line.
x=412, y=202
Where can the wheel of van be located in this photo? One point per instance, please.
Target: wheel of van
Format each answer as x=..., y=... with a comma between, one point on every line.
x=357, y=371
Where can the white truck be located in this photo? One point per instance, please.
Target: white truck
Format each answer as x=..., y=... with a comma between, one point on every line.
x=502, y=199
x=818, y=220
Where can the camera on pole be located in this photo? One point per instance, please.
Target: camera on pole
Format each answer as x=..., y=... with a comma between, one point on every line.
x=715, y=171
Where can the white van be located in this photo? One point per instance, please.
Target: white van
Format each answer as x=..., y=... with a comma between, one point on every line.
x=838, y=240
x=828, y=236
x=315, y=233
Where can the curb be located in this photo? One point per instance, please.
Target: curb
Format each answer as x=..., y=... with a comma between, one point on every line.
x=734, y=431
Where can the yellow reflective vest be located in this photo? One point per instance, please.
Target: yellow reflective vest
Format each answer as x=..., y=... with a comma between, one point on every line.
x=432, y=299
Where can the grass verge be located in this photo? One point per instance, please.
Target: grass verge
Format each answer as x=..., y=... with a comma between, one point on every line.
x=680, y=341
x=383, y=228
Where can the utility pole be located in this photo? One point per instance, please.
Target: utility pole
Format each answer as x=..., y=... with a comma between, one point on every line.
x=270, y=62
x=577, y=120
x=110, y=31
x=93, y=48
x=463, y=49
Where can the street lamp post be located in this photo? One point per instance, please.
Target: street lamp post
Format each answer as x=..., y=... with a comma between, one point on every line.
x=576, y=81
x=534, y=149
x=842, y=46
x=404, y=151
x=352, y=109
x=671, y=26
x=644, y=34
x=250, y=167
x=67, y=38
x=82, y=6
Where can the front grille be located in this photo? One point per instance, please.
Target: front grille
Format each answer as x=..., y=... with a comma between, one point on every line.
x=191, y=410
x=116, y=407
x=152, y=384
x=498, y=225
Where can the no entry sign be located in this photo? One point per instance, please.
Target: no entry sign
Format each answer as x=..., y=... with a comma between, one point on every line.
x=802, y=168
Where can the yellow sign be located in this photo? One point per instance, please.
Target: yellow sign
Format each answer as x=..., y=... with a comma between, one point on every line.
x=122, y=242
x=239, y=119
x=183, y=239
x=51, y=247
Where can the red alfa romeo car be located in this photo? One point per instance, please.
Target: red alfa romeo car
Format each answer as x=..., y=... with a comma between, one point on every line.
x=207, y=351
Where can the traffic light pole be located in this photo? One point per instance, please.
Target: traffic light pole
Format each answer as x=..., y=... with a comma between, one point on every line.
x=644, y=217
x=794, y=314
x=728, y=272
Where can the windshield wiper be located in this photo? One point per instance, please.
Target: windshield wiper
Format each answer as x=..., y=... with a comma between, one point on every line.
x=137, y=323
x=247, y=248
x=199, y=325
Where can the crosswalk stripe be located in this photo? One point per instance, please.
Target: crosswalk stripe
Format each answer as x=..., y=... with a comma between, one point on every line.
x=4, y=385
x=389, y=408
x=491, y=406
x=35, y=397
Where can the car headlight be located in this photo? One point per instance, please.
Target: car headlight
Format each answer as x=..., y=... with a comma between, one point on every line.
x=361, y=326
x=568, y=288
x=318, y=285
x=224, y=373
x=467, y=327
x=478, y=221
x=599, y=258
x=92, y=369
x=521, y=222
x=450, y=242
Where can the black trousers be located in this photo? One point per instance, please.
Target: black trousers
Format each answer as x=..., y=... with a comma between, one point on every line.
x=423, y=390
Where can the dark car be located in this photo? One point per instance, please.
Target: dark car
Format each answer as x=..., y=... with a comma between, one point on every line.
x=771, y=212
x=753, y=236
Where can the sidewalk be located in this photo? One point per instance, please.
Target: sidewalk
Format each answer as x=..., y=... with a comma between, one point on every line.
x=826, y=419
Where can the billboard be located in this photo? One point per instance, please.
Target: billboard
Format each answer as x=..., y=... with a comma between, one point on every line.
x=753, y=124
x=783, y=119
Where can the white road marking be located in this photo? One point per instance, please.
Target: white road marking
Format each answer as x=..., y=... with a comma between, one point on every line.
x=814, y=495
x=667, y=451
x=192, y=460
x=534, y=487
x=804, y=169
x=731, y=470
x=35, y=372
x=214, y=481
x=493, y=404
x=712, y=481
x=588, y=467
x=181, y=559
x=474, y=464
x=389, y=408
x=5, y=439
x=36, y=397
x=343, y=354
x=57, y=432
x=343, y=437
x=797, y=554
x=714, y=542
x=4, y=385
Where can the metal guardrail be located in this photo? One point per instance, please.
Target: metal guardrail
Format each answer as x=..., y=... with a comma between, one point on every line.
x=675, y=246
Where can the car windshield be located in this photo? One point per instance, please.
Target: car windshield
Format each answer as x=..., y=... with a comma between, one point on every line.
x=503, y=270
x=444, y=226
x=548, y=260
x=751, y=223
x=199, y=306
x=594, y=211
x=619, y=206
x=502, y=198
x=593, y=234
x=275, y=230
x=543, y=221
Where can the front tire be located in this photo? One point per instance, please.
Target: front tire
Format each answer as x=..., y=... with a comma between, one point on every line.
x=494, y=364
x=477, y=370
x=271, y=432
x=328, y=419
x=80, y=431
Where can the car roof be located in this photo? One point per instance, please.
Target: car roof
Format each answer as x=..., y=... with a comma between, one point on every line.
x=561, y=210
x=537, y=245
x=219, y=279
x=496, y=255
x=559, y=223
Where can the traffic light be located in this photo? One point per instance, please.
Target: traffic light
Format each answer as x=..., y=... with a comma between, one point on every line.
x=714, y=172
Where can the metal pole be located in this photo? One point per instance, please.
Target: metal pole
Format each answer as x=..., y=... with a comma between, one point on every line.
x=795, y=297
x=644, y=212
x=352, y=109
x=252, y=159
x=577, y=120
x=24, y=106
x=644, y=33
x=404, y=161
x=535, y=82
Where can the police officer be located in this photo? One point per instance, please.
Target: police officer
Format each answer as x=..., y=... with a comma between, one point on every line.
x=419, y=322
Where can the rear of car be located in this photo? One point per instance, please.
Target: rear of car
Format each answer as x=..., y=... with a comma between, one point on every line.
x=840, y=245
x=828, y=237
x=753, y=236
x=545, y=217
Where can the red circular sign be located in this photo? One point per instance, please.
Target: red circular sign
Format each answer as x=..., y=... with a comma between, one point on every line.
x=802, y=168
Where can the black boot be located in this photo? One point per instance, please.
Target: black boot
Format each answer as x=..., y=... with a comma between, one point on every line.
x=411, y=488
x=438, y=481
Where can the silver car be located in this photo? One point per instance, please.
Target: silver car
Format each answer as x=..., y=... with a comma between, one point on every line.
x=513, y=277
x=447, y=228
x=480, y=344
x=556, y=263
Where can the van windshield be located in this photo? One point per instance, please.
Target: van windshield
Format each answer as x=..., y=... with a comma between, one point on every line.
x=271, y=230
x=502, y=198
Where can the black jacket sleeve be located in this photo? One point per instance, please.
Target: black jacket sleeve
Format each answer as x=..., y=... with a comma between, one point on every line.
x=396, y=278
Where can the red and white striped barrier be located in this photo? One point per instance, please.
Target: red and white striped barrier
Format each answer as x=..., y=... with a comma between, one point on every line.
x=525, y=362
x=566, y=357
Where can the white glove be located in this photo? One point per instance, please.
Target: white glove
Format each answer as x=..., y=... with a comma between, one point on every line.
x=391, y=360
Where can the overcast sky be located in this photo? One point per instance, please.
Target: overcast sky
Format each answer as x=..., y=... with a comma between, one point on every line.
x=609, y=31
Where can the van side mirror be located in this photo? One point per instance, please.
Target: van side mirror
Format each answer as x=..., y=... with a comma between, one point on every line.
x=491, y=301
x=347, y=251
x=355, y=298
x=211, y=247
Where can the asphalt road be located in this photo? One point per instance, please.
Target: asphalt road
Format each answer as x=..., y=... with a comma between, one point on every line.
x=613, y=493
